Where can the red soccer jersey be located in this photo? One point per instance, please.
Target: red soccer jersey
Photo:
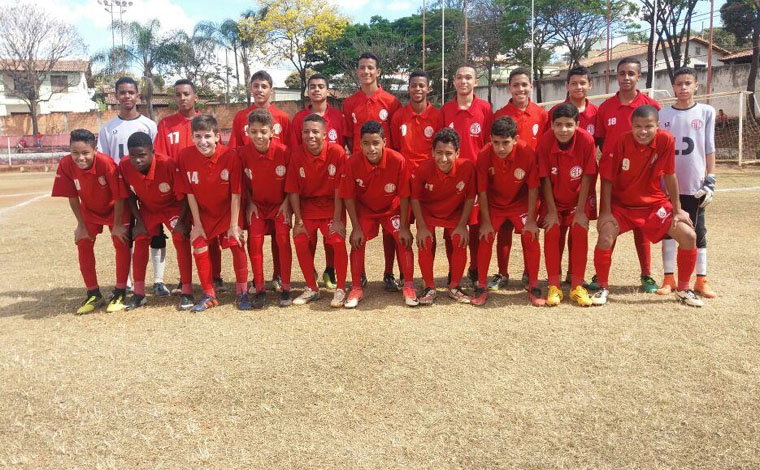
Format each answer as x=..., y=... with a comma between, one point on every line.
x=239, y=137
x=315, y=179
x=565, y=168
x=636, y=170
x=531, y=122
x=264, y=174
x=156, y=190
x=173, y=135
x=506, y=180
x=412, y=134
x=614, y=118
x=360, y=108
x=377, y=189
x=473, y=125
x=442, y=195
x=335, y=126
x=212, y=180
x=96, y=188
x=586, y=119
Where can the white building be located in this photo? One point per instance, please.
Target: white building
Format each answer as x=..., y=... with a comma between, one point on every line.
x=67, y=80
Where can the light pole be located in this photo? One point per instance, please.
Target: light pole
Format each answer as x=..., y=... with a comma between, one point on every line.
x=111, y=6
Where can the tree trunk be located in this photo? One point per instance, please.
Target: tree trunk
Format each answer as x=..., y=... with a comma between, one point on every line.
x=33, y=115
x=754, y=64
x=246, y=74
x=149, y=94
x=301, y=99
x=237, y=69
x=651, y=52
x=490, y=79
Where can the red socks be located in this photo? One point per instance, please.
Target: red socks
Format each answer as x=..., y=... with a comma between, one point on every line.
x=552, y=254
x=305, y=259
x=389, y=251
x=687, y=261
x=240, y=264
x=123, y=258
x=458, y=261
x=215, y=255
x=644, y=252
x=140, y=263
x=203, y=265
x=256, y=253
x=531, y=255
x=425, y=255
x=503, y=248
x=184, y=262
x=86, y=251
x=602, y=263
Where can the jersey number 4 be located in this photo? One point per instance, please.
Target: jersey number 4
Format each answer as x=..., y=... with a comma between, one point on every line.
x=173, y=137
x=192, y=177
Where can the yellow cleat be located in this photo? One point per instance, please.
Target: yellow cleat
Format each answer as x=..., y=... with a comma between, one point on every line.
x=580, y=296
x=554, y=296
x=116, y=304
x=91, y=304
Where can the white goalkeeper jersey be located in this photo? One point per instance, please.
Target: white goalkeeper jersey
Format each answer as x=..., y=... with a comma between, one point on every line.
x=113, y=135
x=694, y=131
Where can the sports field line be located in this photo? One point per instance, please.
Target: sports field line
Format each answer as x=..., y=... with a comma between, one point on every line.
x=23, y=203
x=732, y=190
x=21, y=194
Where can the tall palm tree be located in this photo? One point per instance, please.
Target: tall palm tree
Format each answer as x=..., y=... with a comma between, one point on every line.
x=225, y=35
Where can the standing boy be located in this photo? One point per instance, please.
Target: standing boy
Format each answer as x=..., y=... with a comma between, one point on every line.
x=174, y=133
x=414, y=125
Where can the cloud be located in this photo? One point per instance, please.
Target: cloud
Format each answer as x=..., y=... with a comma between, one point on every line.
x=399, y=5
x=350, y=5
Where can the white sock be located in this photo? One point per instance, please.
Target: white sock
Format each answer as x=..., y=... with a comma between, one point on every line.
x=669, y=256
x=701, y=262
x=158, y=255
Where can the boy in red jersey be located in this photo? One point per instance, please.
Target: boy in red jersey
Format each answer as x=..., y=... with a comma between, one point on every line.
x=265, y=164
x=375, y=189
x=312, y=185
x=414, y=125
x=151, y=179
x=507, y=191
x=567, y=165
x=174, y=132
x=471, y=117
x=372, y=103
x=443, y=195
x=96, y=193
x=613, y=119
x=578, y=86
x=210, y=177
x=632, y=197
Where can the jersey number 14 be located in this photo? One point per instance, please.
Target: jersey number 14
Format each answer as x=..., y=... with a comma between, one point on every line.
x=192, y=177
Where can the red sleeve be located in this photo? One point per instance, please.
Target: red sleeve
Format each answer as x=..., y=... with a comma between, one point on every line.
x=670, y=158
x=403, y=180
x=488, y=122
x=160, y=145
x=181, y=184
x=589, y=158
x=607, y=162
x=542, y=156
x=547, y=124
x=291, y=180
x=346, y=187
x=600, y=130
x=416, y=183
x=235, y=139
x=121, y=169
x=533, y=179
x=472, y=182
x=116, y=183
x=395, y=137
x=348, y=132
x=63, y=185
x=284, y=121
x=482, y=172
x=340, y=164
x=236, y=177
x=293, y=134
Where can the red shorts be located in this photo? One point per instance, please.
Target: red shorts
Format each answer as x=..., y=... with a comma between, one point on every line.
x=265, y=226
x=517, y=218
x=323, y=226
x=433, y=222
x=224, y=242
x=371, y=225
x=154, y=220
x=94, y=229
x=566, y=216
x=653, y=222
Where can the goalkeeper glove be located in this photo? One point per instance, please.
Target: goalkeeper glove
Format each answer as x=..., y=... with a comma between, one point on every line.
x=706, y=191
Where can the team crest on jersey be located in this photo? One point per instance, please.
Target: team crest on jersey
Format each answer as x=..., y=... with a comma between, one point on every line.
x=249, y=173
x=277, y=128
x=360, y=182
x=611, y=121
x=475, y=128
x=591, y=129
x=403, y=129
x=662, y=213
x=383, y=114
x=697, y=124
x=460, y=186
x=332, y=135
x=225, y=175
x=331, y=169
x=280, y=170
x=390, y=187
x=576, y=172
x=429, y=131
x=353, y=117
x=396, y=222
x=102, y=180
x=302, y=172
x=429, y=186
x=535, y=129
x=519, y=173
x=173, y=222
x=164, y=187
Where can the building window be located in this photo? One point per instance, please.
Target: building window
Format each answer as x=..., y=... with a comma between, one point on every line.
x=698, y=51
x=59, y=83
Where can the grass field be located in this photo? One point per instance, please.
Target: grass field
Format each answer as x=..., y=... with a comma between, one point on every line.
x=640, y=383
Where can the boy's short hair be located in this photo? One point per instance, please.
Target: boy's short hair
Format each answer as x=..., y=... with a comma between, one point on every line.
x=315, y=118
x=185, y=81
x=419, y=73
x=204, y=122
x=647, y=112
x=565, y=110
x=369, y=55
x=684, y=71
x=82, y=135
x=262, y=75
x=318, y=76
x=628, y=60
x=505, y=126
x=140, y=139
x=126, y=81
x=519, y=71
x=447, y=135
x=372, y=127
x=579, y=70
x=261, y=116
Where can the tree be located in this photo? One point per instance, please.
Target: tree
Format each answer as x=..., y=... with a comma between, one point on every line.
x=294, y=28
x=675, y=33
x=742, y=18
x=294, y=79
x=32, y=43
x=194, y=57
x=227, y=36
x=487, y=37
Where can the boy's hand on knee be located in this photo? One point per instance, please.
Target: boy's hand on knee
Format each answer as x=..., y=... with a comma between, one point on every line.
x=139, y=229
x=80, y=233
x=463, y=233
x=681, y=216
x=486, y=231
x=197, y=232
x=550, y=220
x=405, y=237
x=357, y=238
x=120, y=231
x=336, y=226
x=581, y=219
x=531, y=228
x=422, y=235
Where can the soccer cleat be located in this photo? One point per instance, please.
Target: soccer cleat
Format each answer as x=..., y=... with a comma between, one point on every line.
x=205, y=303
x=389, y=283
x=178, y=289
x=259, y=299
x=689, y=297
x=160, y=290
x=219, y=286
x=277, y=284
x=472, y=275
x=428, y=296
x=480, y=297
x=525, y=280
x=91, y=303
x=593, y=285
x=186, y=302
x=497, y=282
x=410, y=297
x=354, y=297
x=135, y=302
x=286, y=299
x=554, y=296
x=648, y=284
x=456, y=293
x=339, y=298
x=600, y=296
x=364, y=280
x=329, y=278
x=306, y=296
x=668, y=285
x=116, y=304
x=702, y=287
x=243, y=301
x=534, y=294
x=580, y=296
